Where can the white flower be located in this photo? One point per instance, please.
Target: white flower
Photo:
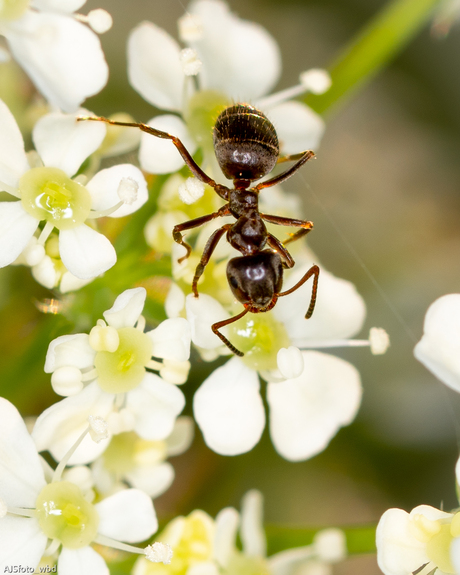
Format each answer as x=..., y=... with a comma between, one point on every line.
x=439, y=348
x=105, y=373
x=40, y=509
x=63, y=57
x=424, y=538
x=47, y=193
x=204, y=546
x=141, y=463
x=308, y=405
x=235, y=60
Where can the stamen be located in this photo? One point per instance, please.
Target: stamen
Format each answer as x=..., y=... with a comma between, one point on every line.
x=94, y=214
x=60, y=468
x=330, y=545
x=98, y=428
x=155, y=365
x=191, y=190
x=127, y=190
x=9, y=189
x=191, y=64
x=140, y=325
x=46, y=231
x=89, y=375
x=34, y=159
x=5, y=56
x=34, y=252
x=16, y=510
x=378, y=341
x=81, y=179
x=52, y=548
x=104, y=338
x=316, y=81
x=159, y=553
x=99, y=20
x=67, y=380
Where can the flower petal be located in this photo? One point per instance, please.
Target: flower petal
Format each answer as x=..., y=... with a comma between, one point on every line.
x=81, y=562
x=398, y=550
x=227, y=521
x=64, y=143
x=297, y=126
x=104, y=189
x=23, y=542
x=126, y=309
x=127, y=516
x=69, y=350
x=202, y=312
x=339, y=312
x=438, y=349
x=159, y=156
x=240, y=58
x=153, y=480
x=59, y=426
x=85, y=252
x=155, y=405
x=171, y=339
x=62, y=56
x=182, y=436
x=251, y=530
x=229, y=410
x=154, y=66
x=21, y=473
x=13, y=162
x=306, y=412
x=16, y=229
x=58, y=5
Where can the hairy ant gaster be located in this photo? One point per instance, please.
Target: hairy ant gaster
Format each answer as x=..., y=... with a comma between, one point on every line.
x=247, y=149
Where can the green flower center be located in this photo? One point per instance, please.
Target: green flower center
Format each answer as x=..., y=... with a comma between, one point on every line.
x=201, y=115
x=241, y=564
x=49, y=194
x=64, y=514
x=123, y=370
x=127, y=450
x=437, y=536
x=259, y=337
x=12, y=9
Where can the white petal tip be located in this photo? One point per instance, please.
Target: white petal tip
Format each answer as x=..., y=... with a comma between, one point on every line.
x=159, y=553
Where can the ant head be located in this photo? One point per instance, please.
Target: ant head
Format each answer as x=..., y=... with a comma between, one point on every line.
x=254, y=280
x=245, y=143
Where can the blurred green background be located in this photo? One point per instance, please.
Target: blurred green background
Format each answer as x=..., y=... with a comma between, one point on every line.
x=384, y=195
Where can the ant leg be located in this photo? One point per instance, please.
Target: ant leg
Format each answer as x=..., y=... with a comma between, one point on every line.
x=290, y=158
x=207, y=253
x=222, y=191
x=216, y=326
x=305, y=226
x=287, y=174
x=279, y=248
x=314, y=270
x=177, y=235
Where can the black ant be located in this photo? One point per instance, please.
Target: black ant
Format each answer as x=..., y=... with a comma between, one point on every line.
x=247, y=149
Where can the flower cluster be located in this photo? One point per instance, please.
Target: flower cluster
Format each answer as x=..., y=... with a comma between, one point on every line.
x=119, y=419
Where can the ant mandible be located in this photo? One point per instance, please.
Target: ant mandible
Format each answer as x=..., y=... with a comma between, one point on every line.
x=247, y=149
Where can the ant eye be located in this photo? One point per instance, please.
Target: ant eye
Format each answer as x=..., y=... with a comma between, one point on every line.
x=233, y=282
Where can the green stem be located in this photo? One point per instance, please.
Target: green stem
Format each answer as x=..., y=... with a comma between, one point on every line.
x=360, y=539
x=373, y=48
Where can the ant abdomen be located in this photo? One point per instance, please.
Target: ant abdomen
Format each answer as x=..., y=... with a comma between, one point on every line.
x=254, y=280
x=245, y=143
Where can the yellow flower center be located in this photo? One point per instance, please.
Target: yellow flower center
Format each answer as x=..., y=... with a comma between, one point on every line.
x=12, y=9
x=49, y=194
x=64, y=514
x=201, y=115
x=259, y=337
x=124, y=369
